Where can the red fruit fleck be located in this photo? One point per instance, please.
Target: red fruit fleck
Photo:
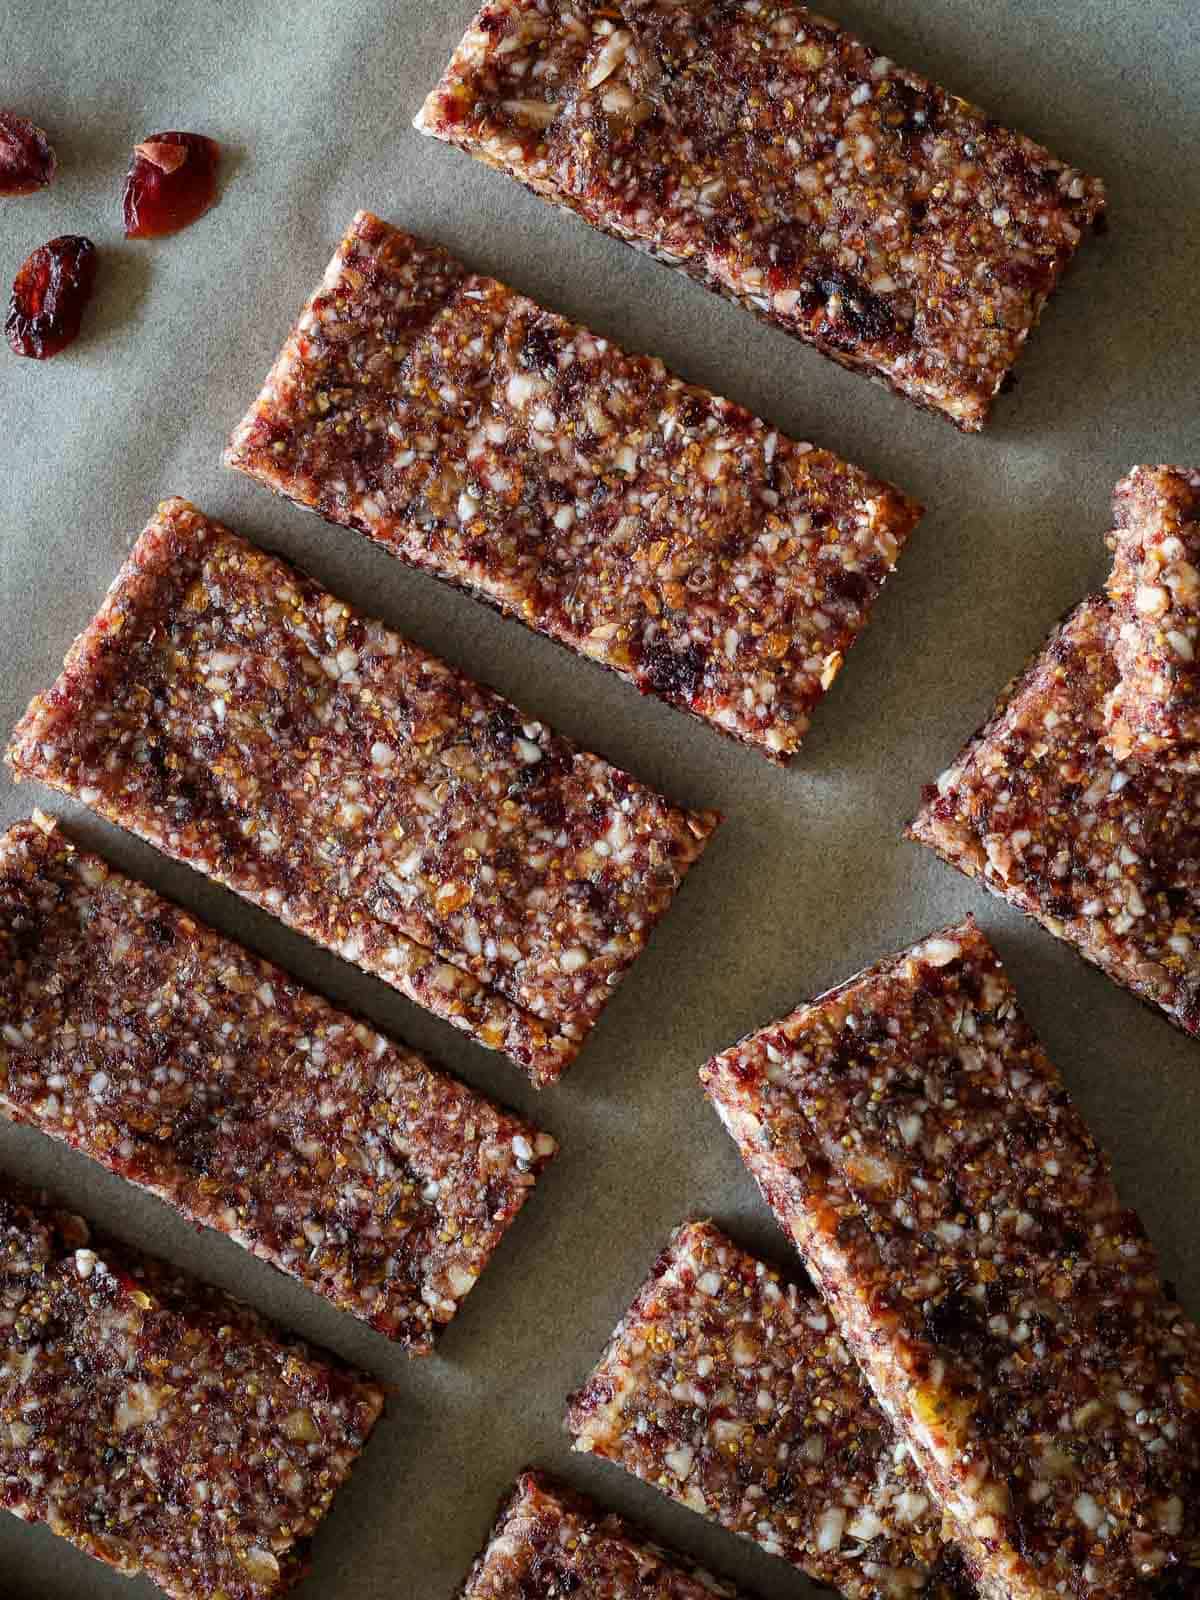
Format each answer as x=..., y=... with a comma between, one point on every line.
x=48, y=297
x=26, y=159
x=171, y=182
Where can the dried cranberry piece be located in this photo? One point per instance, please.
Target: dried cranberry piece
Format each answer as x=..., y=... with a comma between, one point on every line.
x=677, y=674
x=49, y=295
x=26, y=160
x=863, y=315
x=172, y=181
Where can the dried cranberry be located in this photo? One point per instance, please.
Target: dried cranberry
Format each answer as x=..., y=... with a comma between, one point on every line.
x=49, y=295
x=788, y=244
x=854, y=587
x=908, y=112
x=950, y=1576
x=171, y=182
x=26, y=160
x=674, y=674
x=540, y=350
x=954, y=1322
x=863, y=315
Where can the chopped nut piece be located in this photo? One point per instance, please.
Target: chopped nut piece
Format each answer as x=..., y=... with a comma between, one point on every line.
x=549, y=1543
x=492, y=443
x=300, y=1426
x=981, y=1373
x=158, y=1438
x=110, y=993
x=728, y=1388
x=233, y=736
x=1153, y=714
x=788, y=166
x=1101, y=852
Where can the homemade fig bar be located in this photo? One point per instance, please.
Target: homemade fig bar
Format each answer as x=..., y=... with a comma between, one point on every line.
x=925, y=1157
x=726, y=1386
x=182, y=1062
x=1102, y=852
x=228, y=709
x=787, y=165
x=661, y=531
x=157, y=1424
x=549, y=1542
x=1154, y=712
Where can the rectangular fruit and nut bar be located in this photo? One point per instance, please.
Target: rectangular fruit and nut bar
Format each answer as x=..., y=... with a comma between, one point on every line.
x=1102, y=852
x=225, y=707
x=787, y=165
x=1154, y=712
x=155, y=1423
x=727, y=1386
x=662, y=532
x=549, y=1542
x=182, y=1062
x=926, y=1159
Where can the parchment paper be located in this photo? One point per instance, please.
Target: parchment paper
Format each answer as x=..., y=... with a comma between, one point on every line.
x=809, y=878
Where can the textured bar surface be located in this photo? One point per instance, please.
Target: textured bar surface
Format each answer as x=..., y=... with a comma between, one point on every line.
x=182, y=1062
x=1154, y=712
x=1104, y=854
x=727, y=1387
x=155, y=1423
x=549, y=1543
x=787, y=165
x=923, y=1154
x=223, y=706
x=663, y=532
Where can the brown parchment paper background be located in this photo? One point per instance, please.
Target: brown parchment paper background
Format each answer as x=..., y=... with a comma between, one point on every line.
x=809, y=878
